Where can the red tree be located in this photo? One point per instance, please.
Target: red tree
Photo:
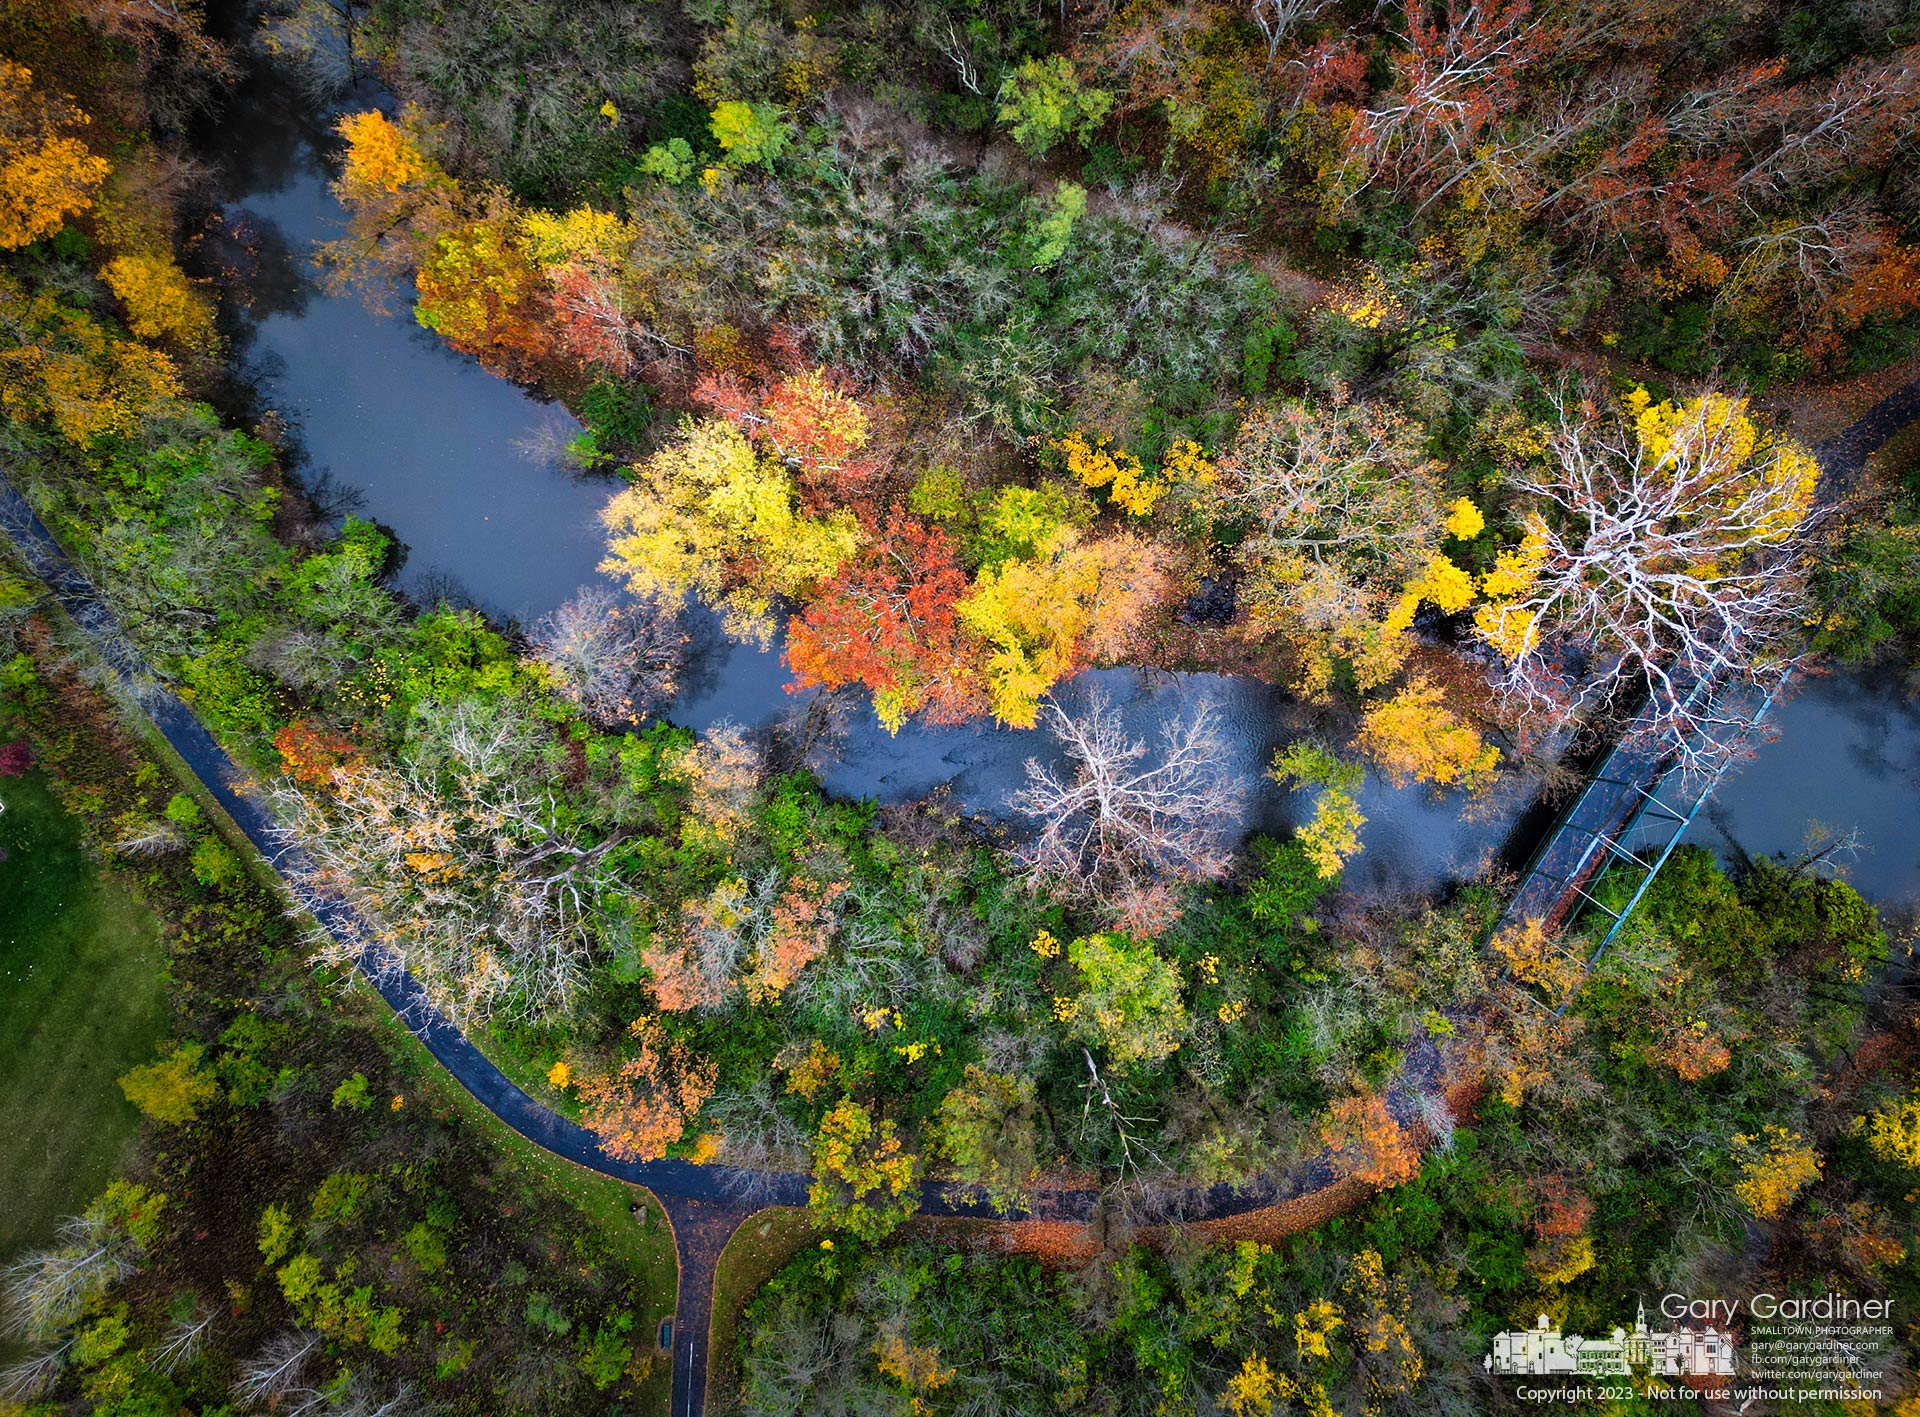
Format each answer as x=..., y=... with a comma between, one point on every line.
x=15, y=759
x=887, y=621
x=810, y=420
x=309, y=751
x=590, y=320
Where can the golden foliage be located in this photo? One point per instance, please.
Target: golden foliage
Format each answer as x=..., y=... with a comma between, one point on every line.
x=1129, y=486
x=46, y=173
x=1894, y=1131
x=161, y=303
x=863, y=1178
x=811, y=1072
x=1505, y=624
x=584, y=236
x=477, y=287
x=915, y=1368
x=1332, y=834
x=1464, y=521
x=1414, y=737
x=1368, y=1143
x=1047, y=617
x=1312, y=1327
x=90, y=382
x=710, y=513
x=1533, y=957
x=381, y=155
x=1775, y=1166
x=642, y=1106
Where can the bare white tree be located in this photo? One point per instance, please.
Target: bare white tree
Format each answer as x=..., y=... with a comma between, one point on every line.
x=46, y=1290
x=617, y=660
x=278, y=1372
x=1821, y=126
x=1118, y=824
x=363, y=1395
x=961, y=57
x=154, y=837
x=1277, y=19
x=1792, y=269
x=1669, y=564
x=1456, y=78
x=33, y=1376
x=186, y=1337
x=281, y=1379
x=454, y=866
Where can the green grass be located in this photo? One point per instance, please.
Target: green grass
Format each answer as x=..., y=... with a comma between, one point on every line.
x=82, y=999
x=756, y=1253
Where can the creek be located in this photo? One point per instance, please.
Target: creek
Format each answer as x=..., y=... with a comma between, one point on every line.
x=432, y=446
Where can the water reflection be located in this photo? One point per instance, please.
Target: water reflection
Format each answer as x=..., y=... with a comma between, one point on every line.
x=1846, y=759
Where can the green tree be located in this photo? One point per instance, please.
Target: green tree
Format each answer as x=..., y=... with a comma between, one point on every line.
x=1055, y=228
x=173, y=1088
x=1044, y=101
x=277, y=1233
x=750, y=133
x=1129, y=1000
x=672, y=161
x=985, y=1129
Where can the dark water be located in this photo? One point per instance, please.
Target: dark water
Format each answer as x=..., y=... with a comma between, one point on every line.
x=1846, y=760
x=431, y=443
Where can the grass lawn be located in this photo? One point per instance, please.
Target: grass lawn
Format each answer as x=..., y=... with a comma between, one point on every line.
x=754, y=1255
x=81, y=1001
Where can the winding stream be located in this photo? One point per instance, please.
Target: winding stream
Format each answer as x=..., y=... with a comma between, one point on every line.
x=431, y=445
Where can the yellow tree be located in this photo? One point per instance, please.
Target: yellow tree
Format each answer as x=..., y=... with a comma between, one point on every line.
x=713, y=514
x=1415, y=737
x=161, y=303
x=92, y=383
x=1775, y=1166
x=396, y=195
x=864, y=1180
x=174, y=1088
x=1332, y=834
x=47, y=174
x=381, y=156
x=478, y=290
x=1049, y=616
x=1665, y=551
x=1894, y=1131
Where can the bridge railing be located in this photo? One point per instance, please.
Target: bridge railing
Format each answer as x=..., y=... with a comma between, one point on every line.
x=1633, y=811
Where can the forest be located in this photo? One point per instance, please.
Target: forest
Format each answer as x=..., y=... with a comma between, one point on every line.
x=1479, y=376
